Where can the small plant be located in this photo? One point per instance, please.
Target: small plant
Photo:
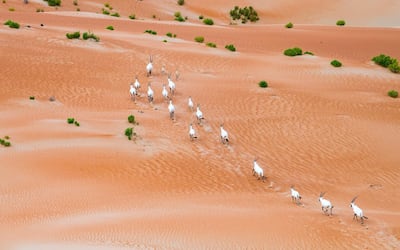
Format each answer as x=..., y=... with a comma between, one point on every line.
x=245, y=14
x=289, y=25
x=75, y=2
x=293, y=52
x=308, y=53
x=39, y=10
x=394, y=67
x=133, y=16
x=110, y=27
x=116, y=14
x=7, y=137
x=340, y=23
x=74, y=35
x=12, y=24
x=151, y=32
x=89, y=35
x=4, y=1
x=208, y=21
x=129, y=133
x=76, y=123
x=105, y=12
x=336, y=63
x=230, y=47
x=107, y=5
x=131, y=119
x=31, y=98
x=70, y=120
x=201, y=17
x=78, y=9
x=212, y=45
x=169, y=34
x=181, y=2
x=11, y=9
x=178, y=17
x=54, y=2
x=393, y=93
x=165, y=41
x=263, y=84
x=4, y=141
x=199, y=39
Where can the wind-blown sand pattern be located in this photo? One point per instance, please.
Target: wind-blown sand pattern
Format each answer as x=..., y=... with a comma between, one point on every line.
x=316, y=127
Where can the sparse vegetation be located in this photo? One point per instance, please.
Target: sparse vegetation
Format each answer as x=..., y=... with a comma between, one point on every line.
x=208, y=21
x=181, y=2
x=165, y=41
x=76, y=123
x=199, y=39
x=78, y=9
x=12, y=24
x=75, y=2
x=4, y=1
x=245, y=14
x=151, y=32
x=230, y=47
x=212, y=45
x=4, y=141
x=74, y=35
x=201, y=17
x=53, y=2
x=336, y=63
x=31, y=98
x=11, y=9
x=387, y=62
x=70, y=120
x=129, y=133
x=89, y=35
x=133, y=16
x=169, y=34
x=116, y=14
x=293, y=52
x=289, y=25
x=340, y=23
x=308, y=53
x=110, y=27
x=178, y=17
x=105, y=12
x=393, y=93
x=131, y=119
x=39, y=10
x=263, y=84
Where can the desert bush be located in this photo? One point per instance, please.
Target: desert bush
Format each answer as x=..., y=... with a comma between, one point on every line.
x=89, y=35
x=308, y=53
x=74, y=35
x=4, y=1
x=75, y=2
x=340, y=23
x=70, y=120
x=394, y=67
x=5, y=143
x=54, y=2
x=289, y=25
x=230, y=47
x=131, y=119
x=201, y=17
x=105, y=12
x=199, y=39
x=31, y=98
x=180, y=19
x=393, y=93
x=181, y=2
x=212, y=45
x=116, y=14
x=169, y=34
x=12, y=24
x=245, y=14
x=6, y=137
x=76, y=123
x=151, y=32
x=336, y=63
x=263, y=84
x=107, y=5
x=78, y=9
x=383, y=60
x=39, y=10
x=133, y=16
x=11, y=9
x=165, y=41
x=293, y=52
x=110, y=27
x=208, y=21
x=129, y=133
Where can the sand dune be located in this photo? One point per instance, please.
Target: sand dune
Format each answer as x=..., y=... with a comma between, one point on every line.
x=316, y=127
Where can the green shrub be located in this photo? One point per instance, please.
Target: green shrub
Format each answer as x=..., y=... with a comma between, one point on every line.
x=181, y=2
x=7, y=144
x=212, y=45
x=116, y=14
x=383, y=60
x=54, y=2
x=201, y=17
x=230, y=47
x=393, y=93
x=105, y=12
x=110, y=27
x=179, y=19
x=133, y=16
x=76, y=123
x=199, y=39
x=31, y=98
x=293, y=52
x=340, y=23
x=151, y=32
x=70, y=120
x=131, y=119
x=169, y=34
x=74, y=35
x=394, y=67
x=165, y=41
x=336, y=63
x=6, y=137
x=208, y=21
x=308, y=53
x=89, y=35
x=12, y=24
x=245, y=14
x=263, y=84
x=289, y=25
x=129, y=132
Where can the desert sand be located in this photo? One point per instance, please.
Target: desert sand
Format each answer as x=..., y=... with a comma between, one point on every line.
x=317, y=127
